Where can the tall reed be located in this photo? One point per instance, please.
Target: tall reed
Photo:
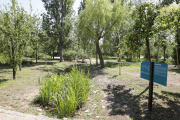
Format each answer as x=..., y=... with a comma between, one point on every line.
x=66, y=92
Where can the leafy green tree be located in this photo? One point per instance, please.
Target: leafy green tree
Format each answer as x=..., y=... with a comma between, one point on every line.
x=144, y=16
x=49, y=35
x=58, y=10
x=99, y=18
x=82, y=6
x=15, y=30
x=170, y=19
x=164, y=3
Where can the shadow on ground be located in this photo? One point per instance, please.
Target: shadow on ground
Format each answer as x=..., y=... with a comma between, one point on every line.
x=123, y=102
x=174, y=70
x=2, y=80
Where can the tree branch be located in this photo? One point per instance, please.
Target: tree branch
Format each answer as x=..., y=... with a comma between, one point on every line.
x=110, y=28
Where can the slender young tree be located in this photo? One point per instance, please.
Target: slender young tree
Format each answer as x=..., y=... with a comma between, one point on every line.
x=15, y=29
x=144, y=16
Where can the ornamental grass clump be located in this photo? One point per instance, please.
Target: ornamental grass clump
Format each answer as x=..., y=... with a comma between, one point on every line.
x=66, y=92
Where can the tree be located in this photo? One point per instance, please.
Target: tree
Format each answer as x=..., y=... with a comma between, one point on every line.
x=49, y=35
x=82, y=6
x=15, y=30
x=170, y=19
x=144, y=16
x=164, y=3
x=58, y=11
x=99, y=18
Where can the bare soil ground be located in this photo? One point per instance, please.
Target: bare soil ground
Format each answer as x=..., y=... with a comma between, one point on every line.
x=112, y=96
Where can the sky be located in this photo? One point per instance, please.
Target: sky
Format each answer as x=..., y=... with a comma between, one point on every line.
x=36, y=5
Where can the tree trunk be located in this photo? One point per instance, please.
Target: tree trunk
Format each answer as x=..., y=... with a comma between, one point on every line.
x=148, y=50
x=119, y=63
x=177, y=58
x=20, y=66
x=53, y=54
x=36, y=55
x=164, y=53
x=60, y=46
x=157, y=54
x=96, y=57
x=139, y=55
x=100, y=54
x=14, y=73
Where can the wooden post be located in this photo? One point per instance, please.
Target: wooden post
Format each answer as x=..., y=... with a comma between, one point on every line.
x=151, y=87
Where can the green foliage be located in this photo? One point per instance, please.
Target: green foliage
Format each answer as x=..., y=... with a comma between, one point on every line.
x=69, y=55
x=98, y=19
x=57, y=22
x=15, y=30
x=65, y=92
x=170, y=19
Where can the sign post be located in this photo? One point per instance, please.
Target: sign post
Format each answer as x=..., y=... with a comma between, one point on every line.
x=151, y=87
x=154, y=72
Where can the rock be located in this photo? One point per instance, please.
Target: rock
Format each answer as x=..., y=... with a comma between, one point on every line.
x=46, y=107
x=86, y=111
x=89, y=114
x=64, y=118
x=40, y=110
x=97, y=116
x=94, y=105
x=95, y=91
x=103, y=107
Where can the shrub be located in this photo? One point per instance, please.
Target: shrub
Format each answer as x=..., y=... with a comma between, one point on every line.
x=65, y=92
x=69, y=55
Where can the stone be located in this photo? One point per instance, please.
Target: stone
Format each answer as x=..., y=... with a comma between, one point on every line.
x=103, y=107
x=40, y=110
x=97, y=116
x=86, y=111
x=89, y=114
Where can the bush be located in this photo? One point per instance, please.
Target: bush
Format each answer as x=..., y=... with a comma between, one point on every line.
x=69, y=55
x=65, y=92
x=27, y=62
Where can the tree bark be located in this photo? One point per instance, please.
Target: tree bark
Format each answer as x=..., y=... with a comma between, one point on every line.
x=177, y=58
x=96, y=57
x=14, y=73
x=119, y=63
x=13, y=64
x=20, y=66
x=157, y=54
x=164, y=53
x=53, y=54
x=36, y=55
x=148, y=50
x=100, y=54
x=139, y=55
x=60, y=47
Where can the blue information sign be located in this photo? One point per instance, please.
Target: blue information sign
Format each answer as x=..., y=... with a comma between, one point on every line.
x=145, y=70
x=160, y=73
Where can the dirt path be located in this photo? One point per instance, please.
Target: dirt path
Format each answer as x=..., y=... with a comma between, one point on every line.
x=13, y=115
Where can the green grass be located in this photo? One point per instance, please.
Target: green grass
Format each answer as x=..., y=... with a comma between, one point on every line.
x=66, y=92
